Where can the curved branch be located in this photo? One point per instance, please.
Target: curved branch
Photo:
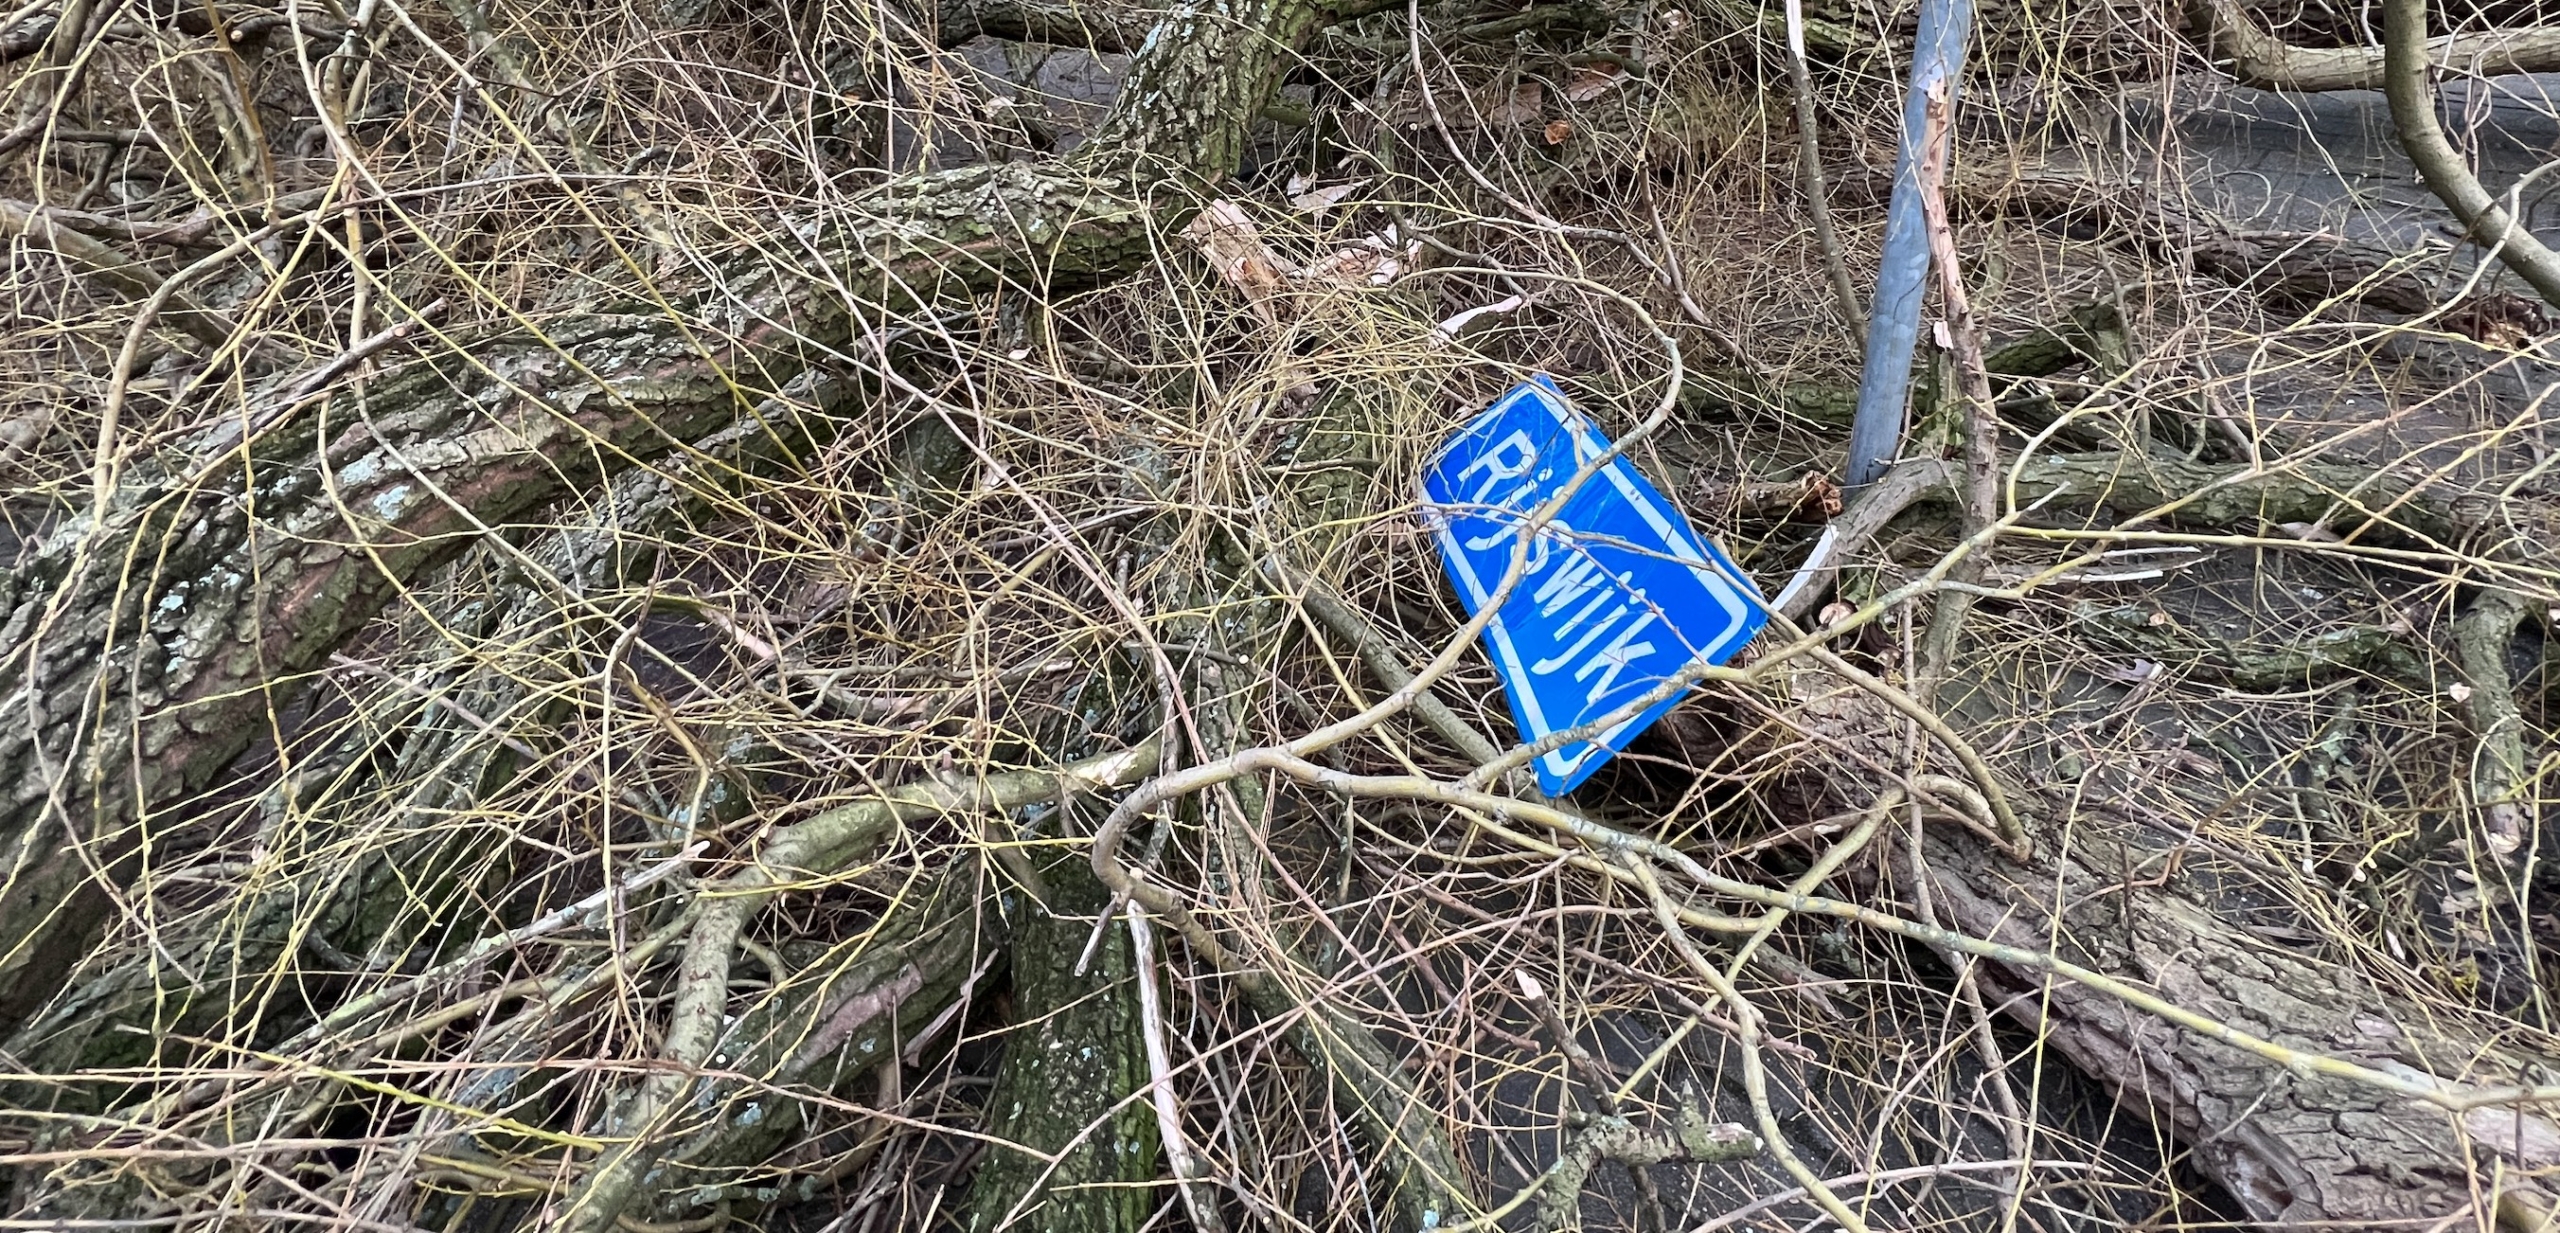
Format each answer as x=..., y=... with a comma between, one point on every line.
x=2413, y=111
x=820, y=845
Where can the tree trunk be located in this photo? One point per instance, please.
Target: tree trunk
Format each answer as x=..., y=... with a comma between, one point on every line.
x=2294, y=1148
x=150, y=640
x=1069, y=1082
x=439, y=760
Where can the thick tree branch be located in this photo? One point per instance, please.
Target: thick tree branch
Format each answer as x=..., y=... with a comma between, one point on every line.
x=2502, y=769
x=1106, y=28
x=2297, y=270
x=2413, y=110
x=114, y=271
x=2249, y=1079
x=2260, y=59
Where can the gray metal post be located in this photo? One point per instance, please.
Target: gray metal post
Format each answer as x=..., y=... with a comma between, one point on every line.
x=1893, y=319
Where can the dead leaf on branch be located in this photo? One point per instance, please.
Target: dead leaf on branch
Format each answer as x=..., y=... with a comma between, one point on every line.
x=1234, y=247
x=1451, y=330
x=1375, y=261
x=1591, y=81
x=1227, y=236
x=1317, y=201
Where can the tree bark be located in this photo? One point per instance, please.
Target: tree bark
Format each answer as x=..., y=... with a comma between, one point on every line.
x=2291, y=1148
x=148, y=641
x=1068, y=1084
x=116, y=1017
x=1120, y=29
x=2260, y=59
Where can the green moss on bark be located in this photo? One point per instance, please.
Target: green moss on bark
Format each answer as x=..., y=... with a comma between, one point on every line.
x=1069, y=1084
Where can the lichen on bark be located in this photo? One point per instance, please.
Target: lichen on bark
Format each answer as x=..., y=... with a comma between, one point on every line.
x=1070, y=1084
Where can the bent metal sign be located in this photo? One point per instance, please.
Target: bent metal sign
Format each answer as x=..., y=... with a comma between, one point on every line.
x=1616, y=592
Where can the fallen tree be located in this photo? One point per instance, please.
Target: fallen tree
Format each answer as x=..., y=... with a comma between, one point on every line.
x=2260, y=59
x=715, y=993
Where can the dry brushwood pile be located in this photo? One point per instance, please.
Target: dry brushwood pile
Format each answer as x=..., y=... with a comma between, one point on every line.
x=706, y=614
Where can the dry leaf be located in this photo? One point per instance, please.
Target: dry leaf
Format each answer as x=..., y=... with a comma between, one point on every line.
x=1558, y=130
x=1591, y=81
x=1375, y=261
x=2134, y=672
x=1823, y=495
x=1448, y=331
x=1526, y=103
x=1374, y=267
x=1234, y=247
x=1317, y=201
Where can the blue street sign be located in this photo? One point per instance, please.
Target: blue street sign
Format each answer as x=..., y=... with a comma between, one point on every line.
x=1617, y=594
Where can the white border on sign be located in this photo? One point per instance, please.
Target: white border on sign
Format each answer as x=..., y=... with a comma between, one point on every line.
x=1587, y=445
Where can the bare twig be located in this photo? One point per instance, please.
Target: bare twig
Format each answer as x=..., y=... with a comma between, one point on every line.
x=364, y=349
x=1198, y=1200
x=1755, y=1078
x=2426, y=1088
x=166, y=298
x=1980, y=491
x=1885, y=1177
x=1817, y=194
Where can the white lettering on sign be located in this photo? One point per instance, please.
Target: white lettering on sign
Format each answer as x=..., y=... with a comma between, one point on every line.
x=1509, y=459
x=1614, y=600
x=1614, y=593
x=1621, y=651
x=1575, y=580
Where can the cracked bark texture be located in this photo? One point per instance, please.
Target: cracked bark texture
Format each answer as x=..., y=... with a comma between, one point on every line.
x=1073, y=1065
x=2289, y=1147
x=145, y=643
